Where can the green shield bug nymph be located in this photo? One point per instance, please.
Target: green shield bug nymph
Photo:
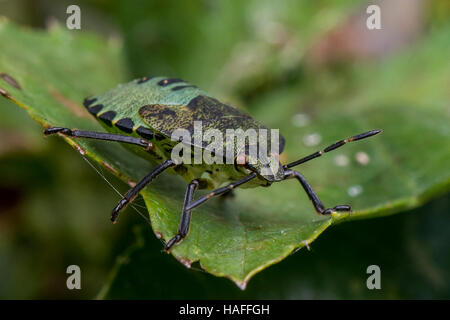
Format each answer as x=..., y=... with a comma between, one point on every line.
x=144, y=114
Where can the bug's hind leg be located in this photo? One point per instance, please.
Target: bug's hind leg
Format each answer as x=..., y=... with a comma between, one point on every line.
x=185, y=221
x=133, y=192
x=100, y=136
x=318, y=205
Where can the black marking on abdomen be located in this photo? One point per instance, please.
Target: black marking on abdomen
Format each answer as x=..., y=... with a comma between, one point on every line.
x=145, y=133
x=144, y=79
x=95, y=109
x=108, y=117
x=125, y=124
x=183, y=87
x=87, y=102
x=166, y=82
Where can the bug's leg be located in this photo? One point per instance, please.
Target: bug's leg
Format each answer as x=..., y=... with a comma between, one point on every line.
x=318, y=205
x=100, y=136
x=133, y=192
x=220, y=191
x=185, y=221
x=189, y=205
x=333, y=147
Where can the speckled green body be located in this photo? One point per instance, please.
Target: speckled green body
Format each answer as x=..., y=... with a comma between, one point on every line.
x=154, y=107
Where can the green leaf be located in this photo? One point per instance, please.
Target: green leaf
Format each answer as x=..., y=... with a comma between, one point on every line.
x=239, y=237
x=410, y=250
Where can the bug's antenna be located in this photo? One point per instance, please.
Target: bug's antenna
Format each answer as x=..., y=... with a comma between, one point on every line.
x=333, y=147
x=115, y=189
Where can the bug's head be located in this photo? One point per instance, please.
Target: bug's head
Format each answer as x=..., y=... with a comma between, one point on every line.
x=268, y=168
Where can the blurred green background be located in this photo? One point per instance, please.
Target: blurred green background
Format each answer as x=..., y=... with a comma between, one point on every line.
x=54, y=206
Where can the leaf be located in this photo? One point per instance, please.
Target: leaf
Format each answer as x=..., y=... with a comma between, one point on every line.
x=261, y=226
x=409, y=251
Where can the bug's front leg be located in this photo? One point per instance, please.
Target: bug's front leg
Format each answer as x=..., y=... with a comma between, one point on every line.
x=185, y=221
x=318, y=205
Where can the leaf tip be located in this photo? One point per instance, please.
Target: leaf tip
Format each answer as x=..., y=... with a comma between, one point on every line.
x=241, y=285
x=306, y=244
x=186, y=262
